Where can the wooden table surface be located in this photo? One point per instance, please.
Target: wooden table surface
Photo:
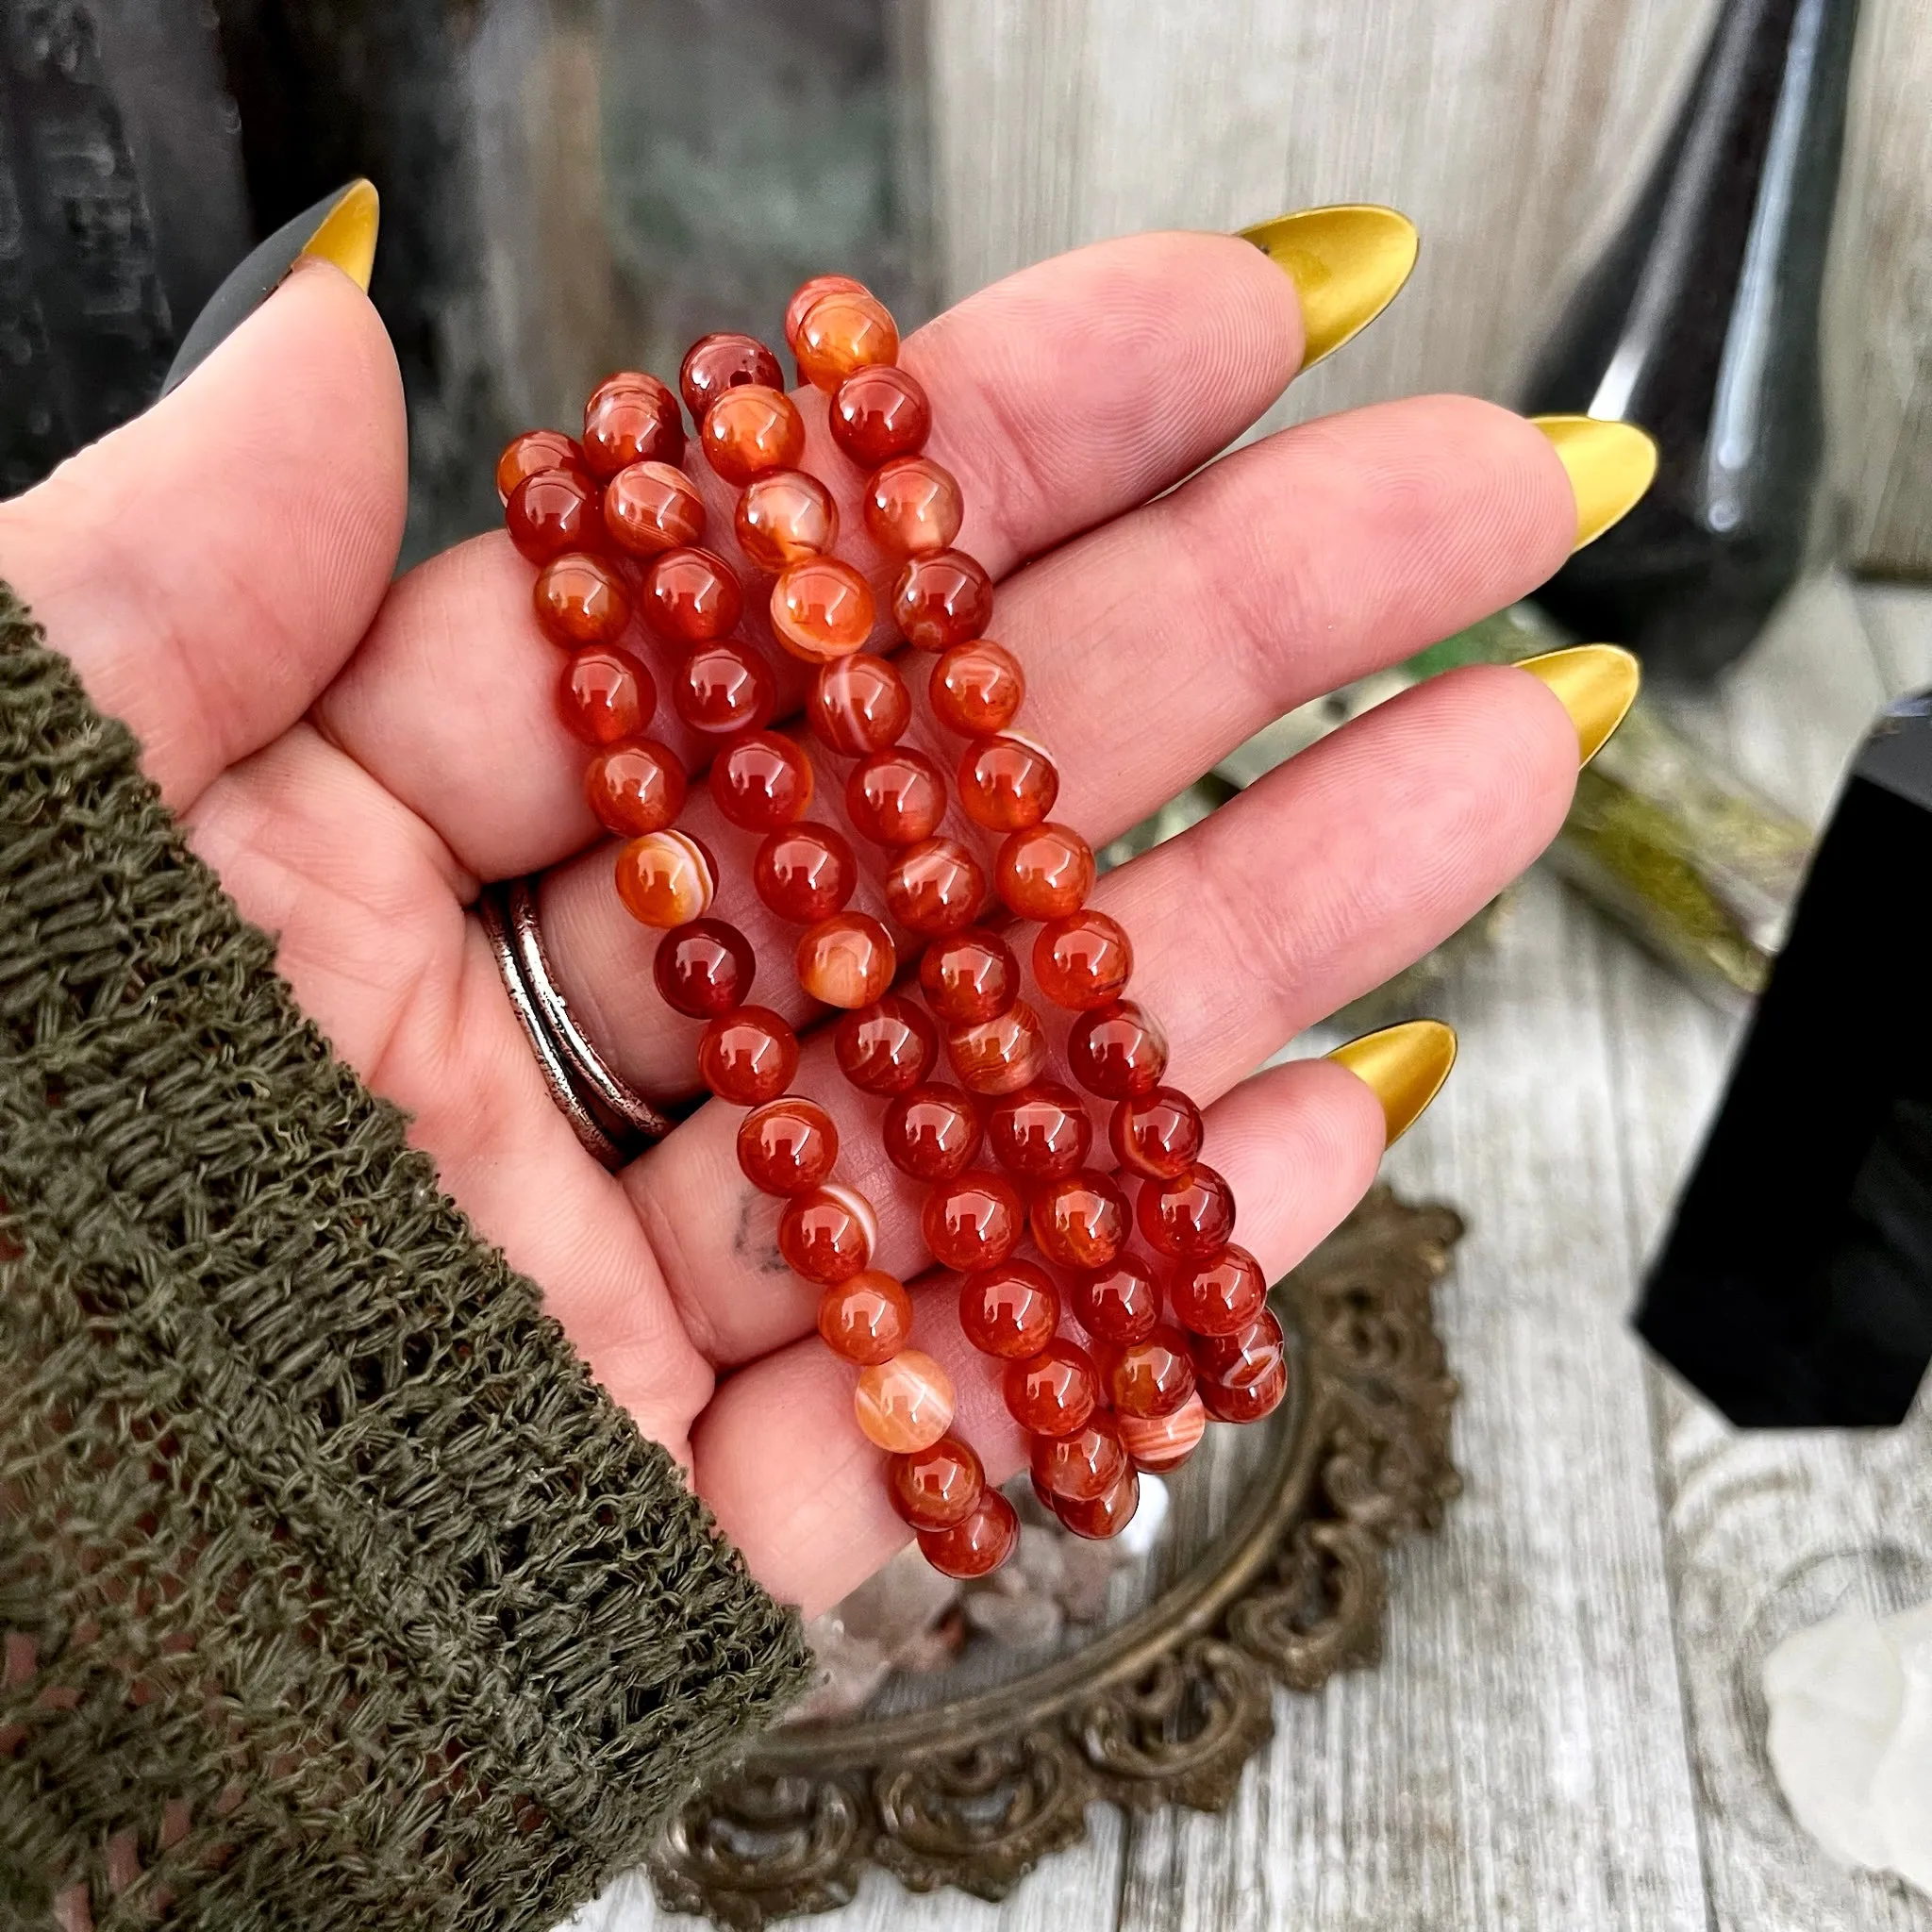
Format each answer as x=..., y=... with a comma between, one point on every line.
x=1566, y=1730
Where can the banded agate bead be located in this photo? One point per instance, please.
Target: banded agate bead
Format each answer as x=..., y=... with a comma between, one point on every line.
x=1118, y=1304
x=553, y=511
x=1217, y=1293
x=810, y=291
x=760, y=781
x=844, y=331
x=635, y=787
x=1045, y=872
x=973, y=1221
x=692, y=595
x=1118, y=1051
x=631, y=418
x=885, y=1048
x=751, y=429
x=704, y=969
x=931, y=1133
x=804, y=873
x=579, y=599
x=1052, y=1392
x=1153, y=1376
x=976, y=1545
x=935, y=1487
x=1190, y=1216
x=896, y=796
x=1156, y=1134
x=1006, y=784
x=1082, y=960
x=1010, y=1310
x=1247, y=1402
x=847, y=960
x=652, y=508
x=722, y=360
x=880, y=413
x=1245, y=1355
x=747, y=1056
x=858, y=704
x=942, y=598
x=1080, y=1221
x=976, y=689
x=787, y=1145
x=913, y=507
x=1105, y=1516
x=665, y=880
x=827, y=1233
x=969, y=975
x=1161, y=1442
x=605, y=694
x=1084, y=1464
x=1001, y=1054
x=535, y=451
x=784, y=516
x=724, y=686
x=866, y=1319
x=935, y=887
x=905, y=1404
x=822, y=609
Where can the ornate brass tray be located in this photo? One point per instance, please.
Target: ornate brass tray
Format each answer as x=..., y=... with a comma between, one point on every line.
x=1166, y=1705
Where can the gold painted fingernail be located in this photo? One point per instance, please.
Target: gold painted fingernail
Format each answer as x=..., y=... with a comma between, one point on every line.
x=347, y=233
x=1610, y=466
x=1595, y=683
x=1403, y=1067
x=1347, y=265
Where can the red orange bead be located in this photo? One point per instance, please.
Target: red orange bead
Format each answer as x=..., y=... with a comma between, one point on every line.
x=940, y=599
x=913, y=507
x=724, y=360
x=665, y=880
x=553, y=511
x=1082, y=960
x=787, y=1145
x=1119, y=1304
x=605, y=694
x=970, y=975
x=751, y=429
x=747, y=1056
x=692, y=595
x=931, y=1133
x=866, y=1319
x=906, y=1404
x=1156, y=1134
x=1218, y=1293
x=1010, y=1310
x=635, y=787
x=1083, y=1464
x=1247, y=1402
x=1006, y=784
x=1044, y=872
x=1080, y=1221
x=978, y=1545
x=845, y=329
x=1105, y=1516
x=822, y=609
x=810, y=291
x=896, y=797
x=1191, y=1215
x=1041, y=1133
x=1118, y=1051
x=976, y=689
x=847, y=960
x=760, y=781
x=650, y=508
x=1245, y=1356
x=1153, y=1376
x=1160, y=1442
x=878, y=413
x=972, y=1220
x=935, y=887
x=885, y=1048
x=722, y=685
x=1001, y=1054
x=935, y=1487
x=631, y=418
x=704, y=969
x=784, y=516
x=1052, y=1392
x=858, y=704
x=804, y=873
x=535, y=451
x=827, y=1233
x=580, y=599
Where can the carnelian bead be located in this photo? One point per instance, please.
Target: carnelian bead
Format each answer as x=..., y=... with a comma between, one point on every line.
x=847, y=960
x=1041, y=1133
x=913, y=507
x=1247, y=1402
x=704, y=969
x=751, y=429
x=1118, y=1051
x=827, y=1233
x=970, y=975
x=784, y=516
x=1105, y=1516
x=1001, y=1054
x=973, y=1221
x=976, y=689
x=761, y=781
x=859, y=704
x=1219, y=1292
x=931, y=1133
x=650, y=508
x=787, y=1145
x=822, y=609
x=724, y=360
x=1006, y=784
x=1080, y=1221
x=605, y=694
x=1052, y=1392
x=1242, y=1357
x=635, y=787
x=844, y=331
x=935, y=1487
x=1010, y=1310
x=580, y=599
x=1082, y=960
x=1120, y=1304
x=940, y=599
x=1045, y=872
x=935, y=887
x=1157, y=1135
x=1083, y=1464
x=810, y=291
x=747, y=1056
x=867, y=1319
x=896, y=797
x=631, y=418
x=904, y=1404
x=535, y=451
x=978, y=1545
x=692, y=595
x=878, y=413
x=1160, y=1442
x=553, y=511
x=724, y=686
x=885, y=1048
x=1190, y=1216
x=666, y=879
x=1153, y=1376
x=804, y=873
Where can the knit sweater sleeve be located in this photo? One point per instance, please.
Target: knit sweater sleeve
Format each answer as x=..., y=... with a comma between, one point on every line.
x=333, y=1592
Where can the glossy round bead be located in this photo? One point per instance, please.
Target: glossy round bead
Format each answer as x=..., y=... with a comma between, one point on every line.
x=1245, y=1355
x=704, y=969
x=1010, y=1310
x=580, y=599
x=904, y=1404
x=1041, y=1133
x=843, y=330
x=1119, y=1304
x=747, y=1056
x=1081, y=1221
x=1157, y=1135
x=1105, y=1516
x=866, y=1319
x=1217, y=1293
x=692, y=595
x=783, y=517
x=972, y=1220
x=752, y=429
x=885, y=1048
x=999, y=1056
x=761, y=781
x=827, y=1233
x=635, y=787
x=935, y=1487
x=631, y=418
x=724, y=360
x=970, y=975
x=810, y=291
x=1250, y=1401
x=896, y=797
x=858, y=704
x=822, y=609
x=931, y=1133
x=847, y=961
x=913, y=507
x=605, y=694
x=1083, y=1464
x=1190, y=1216
x=1153, y=1376
x=787, y=1145
x=535, y=451
x=878, y=413
x=1118, y=1051
x=1052, y=1392
x=724, y=686
x=553, y=511
x=666, y=879
x=1082, y=960
x=804, y=873
x=941, y=599
x=979, y=1544
x=976, y=689
x=1006, y=784
x=652, y=508
x=1160, y=1442
x=935, y=887
x=1044, y=872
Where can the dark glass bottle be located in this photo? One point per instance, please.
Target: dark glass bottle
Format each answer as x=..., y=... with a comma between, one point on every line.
x=1700, y=324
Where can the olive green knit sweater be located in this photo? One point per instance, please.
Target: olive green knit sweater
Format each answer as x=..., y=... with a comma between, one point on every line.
x=333, y=1594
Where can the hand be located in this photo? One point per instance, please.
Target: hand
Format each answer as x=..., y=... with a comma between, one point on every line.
x=353, y=755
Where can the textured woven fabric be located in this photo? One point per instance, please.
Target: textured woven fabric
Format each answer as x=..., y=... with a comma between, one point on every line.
x=333, y=1594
